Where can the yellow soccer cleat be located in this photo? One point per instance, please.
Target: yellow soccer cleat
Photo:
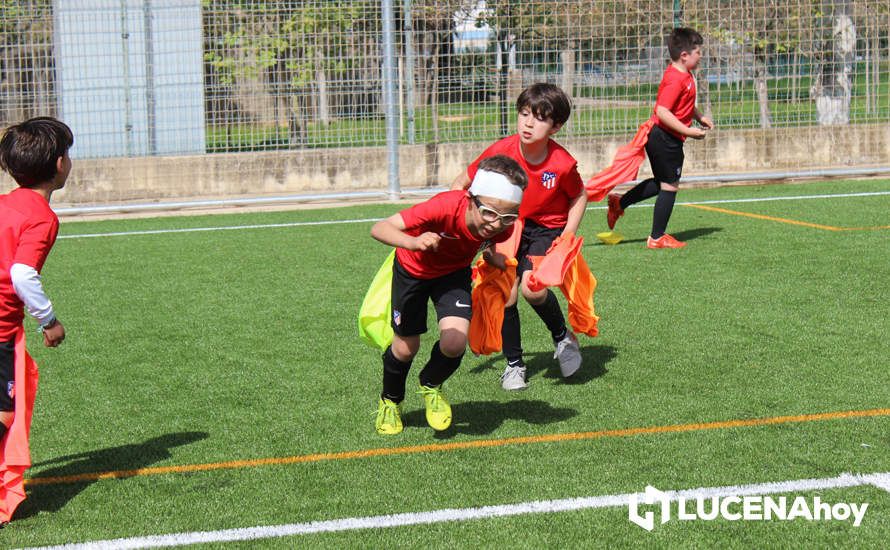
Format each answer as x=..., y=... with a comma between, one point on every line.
x=389, y=418
x=438, y=411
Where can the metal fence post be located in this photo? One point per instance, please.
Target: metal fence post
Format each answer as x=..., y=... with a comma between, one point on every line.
x=390, y=101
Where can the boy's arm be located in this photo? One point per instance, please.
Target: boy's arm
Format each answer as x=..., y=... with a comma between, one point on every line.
x=391, y=231
x=461, y=182
x=29, y=289
x=576, y=213
x=666, y=117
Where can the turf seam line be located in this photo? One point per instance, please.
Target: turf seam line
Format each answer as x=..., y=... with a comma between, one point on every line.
x=460, y=445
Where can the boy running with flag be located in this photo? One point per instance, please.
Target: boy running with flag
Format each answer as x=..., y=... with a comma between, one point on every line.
x=662, y=137
x=436, y=242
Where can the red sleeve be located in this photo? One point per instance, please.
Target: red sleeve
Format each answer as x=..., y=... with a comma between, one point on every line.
x=420, y=215
x=574, y=185
x=35, y=243
x=669, y=94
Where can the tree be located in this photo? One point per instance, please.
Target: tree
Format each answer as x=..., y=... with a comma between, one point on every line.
x=833, y=86
x=294, y=48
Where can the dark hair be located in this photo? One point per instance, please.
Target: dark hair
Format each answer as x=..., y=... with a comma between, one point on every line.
x=29, y=150
x=545, y=101
x=683, y=39
x=504, y=165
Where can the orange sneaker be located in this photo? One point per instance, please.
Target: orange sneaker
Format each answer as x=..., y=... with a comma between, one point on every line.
x=665, y=241
x=615, y=211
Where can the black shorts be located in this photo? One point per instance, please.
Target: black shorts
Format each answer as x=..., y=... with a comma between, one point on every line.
x=535, y=241
x=665, y=152
x=7, y=375
x=450, y=295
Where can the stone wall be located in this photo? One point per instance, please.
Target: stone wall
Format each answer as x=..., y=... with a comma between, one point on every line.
x=147, y=179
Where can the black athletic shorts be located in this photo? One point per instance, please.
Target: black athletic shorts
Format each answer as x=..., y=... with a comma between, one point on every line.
x=535, y=241
x=450, y=295
x=7, y=375
x=665, y=153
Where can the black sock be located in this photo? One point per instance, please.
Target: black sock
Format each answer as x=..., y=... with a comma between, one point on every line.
x=640, y=192
x=511, y=336
x=438, y=368
x=664, y=205
x=550, y=312
x=395, y=373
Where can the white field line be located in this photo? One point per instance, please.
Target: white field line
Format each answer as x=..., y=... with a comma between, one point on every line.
x=369, y=220
x=880, y=480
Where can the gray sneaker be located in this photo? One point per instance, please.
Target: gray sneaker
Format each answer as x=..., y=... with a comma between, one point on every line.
x=514, y=378
x=569, y=355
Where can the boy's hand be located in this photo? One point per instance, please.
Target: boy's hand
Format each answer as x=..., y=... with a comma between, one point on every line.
x=706, y=122
x=496, y=259
x=53, y=335
x=696, y=133
x=426, y=241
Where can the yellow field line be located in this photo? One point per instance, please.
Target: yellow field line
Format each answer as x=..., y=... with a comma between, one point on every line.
x=786, y=220
x=441, y=447
x=762, y=217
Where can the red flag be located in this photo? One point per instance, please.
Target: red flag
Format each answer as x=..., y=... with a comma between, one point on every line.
x=16, y=457
x=624, y=167
x=550, y=269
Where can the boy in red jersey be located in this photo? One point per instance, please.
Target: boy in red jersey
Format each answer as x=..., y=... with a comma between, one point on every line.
x=553, y=205
x=436, y=242
x=674, y=112
x=35, y=154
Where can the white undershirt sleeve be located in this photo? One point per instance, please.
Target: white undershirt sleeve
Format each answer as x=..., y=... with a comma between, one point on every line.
x=26, y=282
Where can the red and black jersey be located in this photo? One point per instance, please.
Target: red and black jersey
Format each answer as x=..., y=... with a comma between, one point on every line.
x=552, y=185
x=446, y=215
x=676, y=93
x=28, y=229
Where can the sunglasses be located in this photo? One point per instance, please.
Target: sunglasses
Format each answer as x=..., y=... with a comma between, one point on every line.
x=490, y=215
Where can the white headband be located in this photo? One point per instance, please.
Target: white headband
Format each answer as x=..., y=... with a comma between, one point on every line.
x=496, y=186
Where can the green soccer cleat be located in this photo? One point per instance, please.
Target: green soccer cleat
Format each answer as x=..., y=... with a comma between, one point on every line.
x=389, y=418
x=438, y=411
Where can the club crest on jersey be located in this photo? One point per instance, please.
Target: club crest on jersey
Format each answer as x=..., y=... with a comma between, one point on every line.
x=548, y=180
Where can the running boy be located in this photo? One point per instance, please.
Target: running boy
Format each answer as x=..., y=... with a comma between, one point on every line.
x=674, y=112
x=436, y=242
x=35, y=154
x=553, y=205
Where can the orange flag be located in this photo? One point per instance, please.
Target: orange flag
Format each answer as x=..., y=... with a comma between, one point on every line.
x=579, y=287
x=491, y=289
x=624, y=167
x=550, y=269
x=16, y=457
x=564, y=266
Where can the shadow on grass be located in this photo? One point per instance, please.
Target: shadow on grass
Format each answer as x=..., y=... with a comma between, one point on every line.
x=50, y=495
x=484, y=417
x=688, y=235
x=593, y=365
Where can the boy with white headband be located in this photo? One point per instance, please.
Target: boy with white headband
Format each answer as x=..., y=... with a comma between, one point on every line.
x=553, y=205
x=436, y=242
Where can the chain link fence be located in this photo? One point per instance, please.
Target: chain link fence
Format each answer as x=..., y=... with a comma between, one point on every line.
x=291, y=93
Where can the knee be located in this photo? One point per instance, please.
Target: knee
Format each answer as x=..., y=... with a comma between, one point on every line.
x=532, y=297
x=453, y=343
x=405, y=350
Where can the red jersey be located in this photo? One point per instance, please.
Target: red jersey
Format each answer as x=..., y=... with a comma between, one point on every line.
x=677, y=93
x=28, y=229
x=552, y=184
x=446, y=215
